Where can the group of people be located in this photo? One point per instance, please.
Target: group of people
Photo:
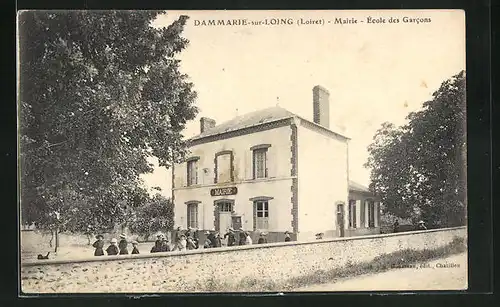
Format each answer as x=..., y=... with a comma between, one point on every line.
x=115, y=247
x=213, y=239
x=182, y=241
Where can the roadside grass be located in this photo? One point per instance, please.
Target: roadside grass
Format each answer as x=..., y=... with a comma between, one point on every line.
x=382, y=263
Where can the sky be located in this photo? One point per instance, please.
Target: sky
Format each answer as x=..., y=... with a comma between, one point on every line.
x=375, y=72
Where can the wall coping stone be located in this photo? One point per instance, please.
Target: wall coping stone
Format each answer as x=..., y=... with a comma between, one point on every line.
x=31, y=263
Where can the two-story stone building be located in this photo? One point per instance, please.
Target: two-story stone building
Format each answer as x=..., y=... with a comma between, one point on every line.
x=269, y=170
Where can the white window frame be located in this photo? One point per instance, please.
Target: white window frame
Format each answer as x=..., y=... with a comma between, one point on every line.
x=192, y=172
x=260, y=151
x=261, y=222
x=225, y=206
x=192, y=215
x=260, y=163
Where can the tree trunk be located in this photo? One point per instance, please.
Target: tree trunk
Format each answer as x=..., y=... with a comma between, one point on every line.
x=51, y=238
x=57, y=240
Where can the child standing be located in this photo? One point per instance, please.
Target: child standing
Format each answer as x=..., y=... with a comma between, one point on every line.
x=99, y=245
x=135, y=250
x=182, y=243
x=248, y=239
x=123, y=244
x=112, y=248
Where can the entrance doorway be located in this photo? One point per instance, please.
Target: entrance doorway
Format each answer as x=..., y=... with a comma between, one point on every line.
x=225, y=211
x=340, y=220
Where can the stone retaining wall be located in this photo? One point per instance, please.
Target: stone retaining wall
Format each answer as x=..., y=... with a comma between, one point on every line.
x=188, y=271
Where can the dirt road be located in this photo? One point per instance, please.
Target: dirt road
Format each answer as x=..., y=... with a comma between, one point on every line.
x=444, y=274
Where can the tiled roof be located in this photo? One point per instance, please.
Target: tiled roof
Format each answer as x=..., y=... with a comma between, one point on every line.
x=252, y=119
x=354, y=186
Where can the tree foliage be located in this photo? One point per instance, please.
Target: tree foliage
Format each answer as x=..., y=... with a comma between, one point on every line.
x=419, y=169
x=100, y=93
x=155, y=215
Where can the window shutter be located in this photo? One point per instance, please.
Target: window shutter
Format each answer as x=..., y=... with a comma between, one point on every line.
x=254, y=164
x=195, y=172
x=254, y=216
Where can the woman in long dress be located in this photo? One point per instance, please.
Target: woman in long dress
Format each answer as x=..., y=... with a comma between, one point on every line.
x=99, y=245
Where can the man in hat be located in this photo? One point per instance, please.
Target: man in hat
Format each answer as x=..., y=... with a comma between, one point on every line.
x=421, y=226
x=231, y=238
x=135, y=250
x=262, y=238
x=112, y=248
x=99, y=245
x=287, y=236
x=123, y=244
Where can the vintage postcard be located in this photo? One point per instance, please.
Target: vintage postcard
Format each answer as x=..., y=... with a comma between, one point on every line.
x=242, y=151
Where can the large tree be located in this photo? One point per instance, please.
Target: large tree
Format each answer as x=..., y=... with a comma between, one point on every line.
x=419, y=169
x=157, y=214
x=100, y=93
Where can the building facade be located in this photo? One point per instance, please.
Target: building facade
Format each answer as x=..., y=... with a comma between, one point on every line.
x=363, y=211
x=269, y=170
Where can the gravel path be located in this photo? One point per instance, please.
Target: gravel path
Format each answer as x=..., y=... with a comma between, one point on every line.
x=431, y=276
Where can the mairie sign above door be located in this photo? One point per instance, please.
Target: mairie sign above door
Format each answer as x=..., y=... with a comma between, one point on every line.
x=224, y=191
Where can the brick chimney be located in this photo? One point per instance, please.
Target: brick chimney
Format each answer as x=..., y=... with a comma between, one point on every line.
x=206, y=123
x=321, y=106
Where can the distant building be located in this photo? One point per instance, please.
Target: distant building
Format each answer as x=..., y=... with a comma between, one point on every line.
x=269, y=170
x=363, y=211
